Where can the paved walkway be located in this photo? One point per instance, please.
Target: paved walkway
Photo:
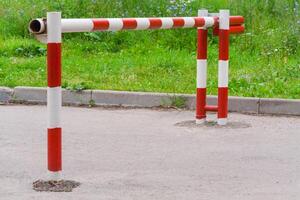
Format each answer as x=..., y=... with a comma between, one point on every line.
x=141, y=154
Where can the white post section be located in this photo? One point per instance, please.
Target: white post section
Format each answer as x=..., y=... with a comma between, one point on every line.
x=54, y=98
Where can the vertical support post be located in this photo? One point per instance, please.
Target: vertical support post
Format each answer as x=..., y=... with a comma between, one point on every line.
x=54, y=97
x=201, y=71
x=223, y=67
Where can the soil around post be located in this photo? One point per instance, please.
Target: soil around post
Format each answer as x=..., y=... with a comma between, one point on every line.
x=54, y=186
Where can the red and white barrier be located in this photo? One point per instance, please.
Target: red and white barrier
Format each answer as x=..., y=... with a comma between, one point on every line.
x=52, y=28
x=54, y=97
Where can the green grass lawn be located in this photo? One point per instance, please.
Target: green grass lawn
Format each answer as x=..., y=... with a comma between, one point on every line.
x=264, y=62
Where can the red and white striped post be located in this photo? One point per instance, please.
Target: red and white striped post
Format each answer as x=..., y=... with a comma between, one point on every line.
x=223, y=67
x=54, y=97
x=201, y=70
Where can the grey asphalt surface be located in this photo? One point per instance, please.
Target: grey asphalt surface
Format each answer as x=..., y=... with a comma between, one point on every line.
x=141, y=154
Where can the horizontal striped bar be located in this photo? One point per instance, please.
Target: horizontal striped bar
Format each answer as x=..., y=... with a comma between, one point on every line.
x=117, y=24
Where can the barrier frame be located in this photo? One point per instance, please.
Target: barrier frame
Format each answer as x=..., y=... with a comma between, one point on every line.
x=50, y=30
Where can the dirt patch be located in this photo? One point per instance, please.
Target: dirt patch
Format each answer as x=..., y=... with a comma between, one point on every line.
x=213, y=124
x=54, y=186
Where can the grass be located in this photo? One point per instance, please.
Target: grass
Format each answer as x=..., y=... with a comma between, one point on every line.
x=264, y=62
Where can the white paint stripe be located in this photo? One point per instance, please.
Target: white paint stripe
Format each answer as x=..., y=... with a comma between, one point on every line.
x=209, y=22
x=54, y=99
x=54, y=175
x=167, y=23
x=224, y=19
x=222, y=121
x=223, y=73
x=77, y=25
x=188, y=22
x=201, y=73
x=200, y=121
x=115, y=24
x=54, y=27
x=142, y=23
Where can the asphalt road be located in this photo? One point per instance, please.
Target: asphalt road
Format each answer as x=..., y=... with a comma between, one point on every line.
x=144, y=154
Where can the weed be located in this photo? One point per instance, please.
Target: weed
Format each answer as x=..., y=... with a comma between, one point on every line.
x=178, y=101
x=92, y=103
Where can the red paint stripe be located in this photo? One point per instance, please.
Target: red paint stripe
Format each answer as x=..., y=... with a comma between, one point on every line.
x=236, y=20
x=202, y=44
x=54, y=64
x=155, y=23
x=223, y=44
x=211, y=108
x=215, y=30
x=54, y=149
x=199, y=22
x=216, y=26
x=222, y=102
x=236, y=29
x=129, y=23
x=178, y=22
x=100, y=24
x=216, y=21
x=200, y=103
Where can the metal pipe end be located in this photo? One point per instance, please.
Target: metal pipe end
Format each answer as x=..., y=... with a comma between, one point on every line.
x=37, y=26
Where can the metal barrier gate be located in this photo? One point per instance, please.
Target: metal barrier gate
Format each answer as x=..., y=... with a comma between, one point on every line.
x=49, y=30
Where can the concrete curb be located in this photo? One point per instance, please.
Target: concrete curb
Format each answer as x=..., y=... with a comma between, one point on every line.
x=279, y=106
x=39, y=95
x=148, y=100
x=5, y=94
